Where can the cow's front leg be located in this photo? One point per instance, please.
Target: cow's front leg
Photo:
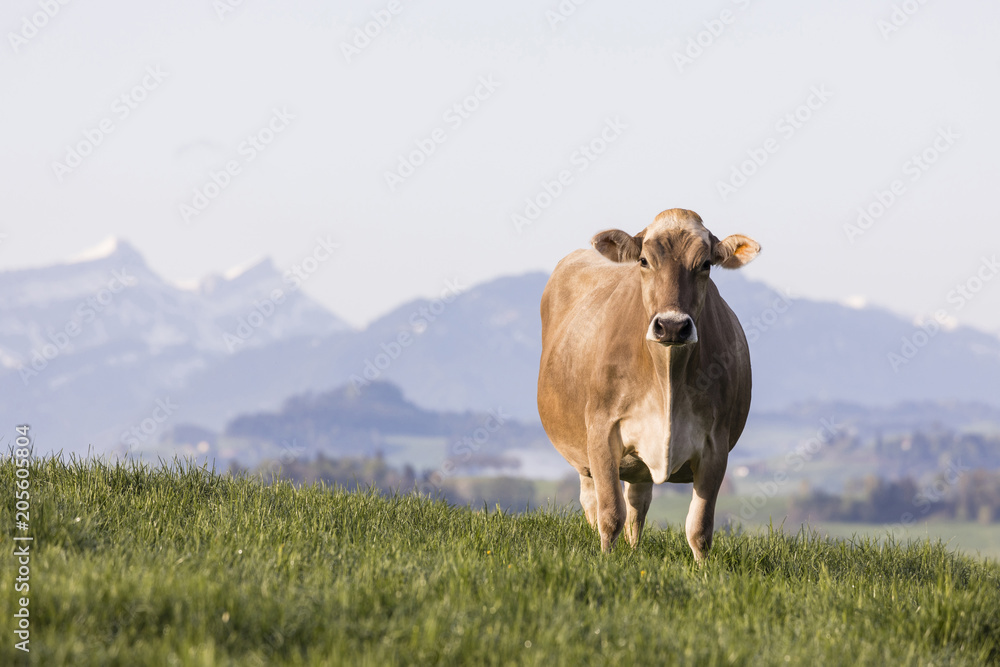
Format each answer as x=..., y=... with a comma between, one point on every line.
x=588, y=499
x=610, y=501
x=700, y=522
x=638, y=496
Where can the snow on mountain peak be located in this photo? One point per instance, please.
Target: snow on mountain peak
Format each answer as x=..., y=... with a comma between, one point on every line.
x=258, y=265
x=112, y=246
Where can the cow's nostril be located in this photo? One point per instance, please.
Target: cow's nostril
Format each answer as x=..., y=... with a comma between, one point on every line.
x=658, y=329
x=685, y=331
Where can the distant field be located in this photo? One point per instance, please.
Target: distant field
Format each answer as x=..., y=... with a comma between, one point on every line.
x=966, y=536
x=134, y=566
x=423, y=453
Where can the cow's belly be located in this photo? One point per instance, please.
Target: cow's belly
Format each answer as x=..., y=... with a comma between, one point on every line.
x=574, y=450
x=633, y=470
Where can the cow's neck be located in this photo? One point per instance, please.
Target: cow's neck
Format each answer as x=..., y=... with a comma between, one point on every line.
x=673, y=366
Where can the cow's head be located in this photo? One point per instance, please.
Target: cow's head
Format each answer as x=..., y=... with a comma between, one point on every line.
x=673, y=257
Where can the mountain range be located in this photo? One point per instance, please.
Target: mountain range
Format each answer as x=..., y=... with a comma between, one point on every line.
x=100, y=351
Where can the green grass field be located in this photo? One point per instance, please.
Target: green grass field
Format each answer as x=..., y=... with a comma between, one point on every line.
x=135, y=566
x=972, y=538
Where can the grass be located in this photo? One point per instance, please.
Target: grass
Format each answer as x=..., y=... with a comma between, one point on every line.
x=136, y=566
x=967, y=536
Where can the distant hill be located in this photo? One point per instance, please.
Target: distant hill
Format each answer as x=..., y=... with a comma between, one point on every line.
x=373, y=421
x=873, y=421
x=216, y=350
x=346, y=421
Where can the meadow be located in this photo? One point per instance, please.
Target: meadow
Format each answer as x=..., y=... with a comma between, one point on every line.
x=969, y=537
x=177, y=565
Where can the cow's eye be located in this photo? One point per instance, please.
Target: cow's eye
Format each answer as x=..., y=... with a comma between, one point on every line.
x=643, y=263
x=706, y=265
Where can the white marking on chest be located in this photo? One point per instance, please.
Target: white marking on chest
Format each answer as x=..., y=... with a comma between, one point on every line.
x=663, y=444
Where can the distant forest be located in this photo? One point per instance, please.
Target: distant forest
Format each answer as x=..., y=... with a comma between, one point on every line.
x=920, y=475
x=963, y=495
x=509, y=493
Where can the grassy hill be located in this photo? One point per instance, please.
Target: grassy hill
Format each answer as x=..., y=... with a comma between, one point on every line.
x=135, y=566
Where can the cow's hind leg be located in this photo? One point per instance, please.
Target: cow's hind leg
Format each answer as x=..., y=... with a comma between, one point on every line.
x=637, y=496
x=588, y=498
x=700, y=522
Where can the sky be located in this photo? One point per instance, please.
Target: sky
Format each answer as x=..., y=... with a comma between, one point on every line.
x=457, y=141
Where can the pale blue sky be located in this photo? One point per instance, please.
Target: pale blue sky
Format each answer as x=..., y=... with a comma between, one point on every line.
x=680, y=131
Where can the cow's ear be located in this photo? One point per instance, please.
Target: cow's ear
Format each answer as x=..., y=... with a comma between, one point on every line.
x=734, y=251
x=618, y=246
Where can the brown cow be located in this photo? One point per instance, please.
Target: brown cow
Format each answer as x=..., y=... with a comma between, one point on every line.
x=627, y=333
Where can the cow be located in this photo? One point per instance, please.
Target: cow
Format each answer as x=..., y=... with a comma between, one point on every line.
x=645, y=371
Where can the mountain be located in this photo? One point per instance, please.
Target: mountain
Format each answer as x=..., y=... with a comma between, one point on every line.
x=101, y=351
x=88, y=347
x=254, y=306
x=479, y=351
x=813, y=350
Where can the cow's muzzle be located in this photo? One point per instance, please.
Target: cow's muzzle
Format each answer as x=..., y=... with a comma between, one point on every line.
x=672, y=328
